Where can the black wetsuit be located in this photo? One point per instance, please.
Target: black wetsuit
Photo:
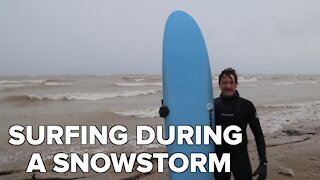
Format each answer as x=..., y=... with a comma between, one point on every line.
x=241, y=112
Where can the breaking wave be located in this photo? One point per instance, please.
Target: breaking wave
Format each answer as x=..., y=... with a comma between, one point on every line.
x=134, y=84
x=80, y=96
x=287, y=106
x=143, y=113
x=9, y=84
x=295, y=83
x=22, y=81
x=57, y=83
x=247, y=79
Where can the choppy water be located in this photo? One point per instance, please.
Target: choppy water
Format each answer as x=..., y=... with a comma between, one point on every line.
x=130, y=100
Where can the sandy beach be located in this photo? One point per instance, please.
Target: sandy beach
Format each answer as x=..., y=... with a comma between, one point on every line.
x=292, y=153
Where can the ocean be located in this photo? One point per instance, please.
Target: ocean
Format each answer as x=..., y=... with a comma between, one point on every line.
x=132, y=100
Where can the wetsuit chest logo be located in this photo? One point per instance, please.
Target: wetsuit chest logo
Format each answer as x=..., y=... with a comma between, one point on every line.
x=227, y=115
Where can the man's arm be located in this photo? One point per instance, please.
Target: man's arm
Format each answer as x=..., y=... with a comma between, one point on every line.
x=254, y=124
x=255, y=127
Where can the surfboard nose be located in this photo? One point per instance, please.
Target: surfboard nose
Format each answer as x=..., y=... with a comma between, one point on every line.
x=179, y=22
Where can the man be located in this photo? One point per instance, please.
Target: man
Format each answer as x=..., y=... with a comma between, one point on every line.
x=231, y=109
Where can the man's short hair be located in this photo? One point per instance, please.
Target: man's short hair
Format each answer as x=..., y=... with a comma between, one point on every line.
x=228, y=72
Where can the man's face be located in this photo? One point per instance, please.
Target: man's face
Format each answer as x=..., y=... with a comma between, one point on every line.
x=228, y=85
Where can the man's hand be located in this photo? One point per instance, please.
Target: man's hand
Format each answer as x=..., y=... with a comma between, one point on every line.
x=262, y=171
x=164, y=111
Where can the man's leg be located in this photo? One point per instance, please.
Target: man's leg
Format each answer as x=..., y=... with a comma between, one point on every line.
x=221, y=175
x=240, y=166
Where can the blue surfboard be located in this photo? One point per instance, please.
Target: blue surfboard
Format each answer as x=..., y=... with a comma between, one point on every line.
x=187, y=87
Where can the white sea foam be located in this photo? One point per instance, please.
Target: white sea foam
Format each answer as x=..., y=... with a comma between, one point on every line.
x=288, y=114
x=9, y=82
x=131, y=84
x=9, y=86
x=272, y=106
x=35, y=81
x=92, y=96
x=57, y=83
x=143, y=113
x=295, y=83
x=247, y=79
x=6, y=84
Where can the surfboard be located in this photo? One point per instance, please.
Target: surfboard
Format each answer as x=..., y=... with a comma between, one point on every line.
x=187, y=88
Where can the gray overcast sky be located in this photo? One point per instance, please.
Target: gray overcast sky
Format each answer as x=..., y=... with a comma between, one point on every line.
x=125, y=36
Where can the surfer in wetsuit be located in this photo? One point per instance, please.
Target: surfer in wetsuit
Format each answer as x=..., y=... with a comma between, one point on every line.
x=231, y=109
